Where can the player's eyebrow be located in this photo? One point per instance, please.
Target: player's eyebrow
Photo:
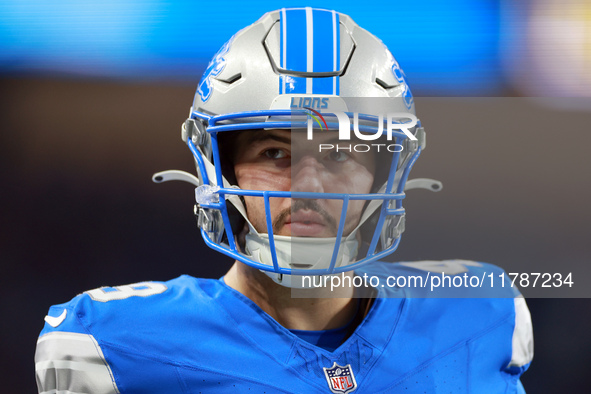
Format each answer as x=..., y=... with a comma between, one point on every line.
x=265, y=135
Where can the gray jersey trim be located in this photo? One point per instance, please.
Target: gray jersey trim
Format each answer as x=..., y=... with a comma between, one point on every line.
x=523, y=338
x=72, y=363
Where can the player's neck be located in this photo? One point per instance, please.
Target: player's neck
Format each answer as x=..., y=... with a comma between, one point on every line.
x=319, y=313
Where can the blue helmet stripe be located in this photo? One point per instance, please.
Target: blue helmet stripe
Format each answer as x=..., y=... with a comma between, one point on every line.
x=296, y=40
x=309, y=42
x=293, y=85
x=293, y=49
x=323, y=51
x=323, y=85
x=323, y=42
x=309, y=48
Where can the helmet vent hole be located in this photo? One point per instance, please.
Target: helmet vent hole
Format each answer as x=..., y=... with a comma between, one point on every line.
x=232, y=79
x=384, y=84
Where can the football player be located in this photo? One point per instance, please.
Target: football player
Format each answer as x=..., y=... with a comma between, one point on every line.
x=303, y=130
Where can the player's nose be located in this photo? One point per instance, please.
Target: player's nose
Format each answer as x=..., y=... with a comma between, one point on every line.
x=306, y=176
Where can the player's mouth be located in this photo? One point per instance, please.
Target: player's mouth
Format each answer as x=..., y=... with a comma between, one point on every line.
x=306, y=223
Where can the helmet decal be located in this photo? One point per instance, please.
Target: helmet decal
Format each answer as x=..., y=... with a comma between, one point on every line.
x=214, y=68
x=401, y=77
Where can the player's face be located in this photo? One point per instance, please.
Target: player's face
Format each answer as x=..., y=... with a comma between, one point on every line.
x=281, y=160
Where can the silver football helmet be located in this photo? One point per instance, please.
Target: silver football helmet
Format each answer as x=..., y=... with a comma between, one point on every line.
x=303, y=69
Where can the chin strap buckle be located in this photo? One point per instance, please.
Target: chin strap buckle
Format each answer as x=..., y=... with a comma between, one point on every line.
x=207, y=194
x=410, y=146
x=195, y=130
x=210, y=221
x=393, y=229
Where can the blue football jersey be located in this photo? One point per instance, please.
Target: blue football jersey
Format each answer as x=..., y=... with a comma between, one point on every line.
x=191, y=335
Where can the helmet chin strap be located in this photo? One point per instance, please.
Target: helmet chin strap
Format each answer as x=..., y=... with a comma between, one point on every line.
x=299, y=253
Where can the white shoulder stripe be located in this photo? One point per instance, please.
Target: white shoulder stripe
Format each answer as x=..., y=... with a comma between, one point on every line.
x=56, y=321
x=68, y=336
x=523, y=337
x=73, y=363
x=83, y=366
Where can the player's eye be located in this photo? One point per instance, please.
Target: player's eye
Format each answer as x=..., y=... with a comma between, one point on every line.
x=338, y=156
x=275, y=153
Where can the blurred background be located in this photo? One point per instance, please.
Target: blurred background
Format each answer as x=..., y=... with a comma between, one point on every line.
x=94, y=93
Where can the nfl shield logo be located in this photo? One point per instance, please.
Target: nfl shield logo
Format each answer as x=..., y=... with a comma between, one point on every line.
x=340, y=379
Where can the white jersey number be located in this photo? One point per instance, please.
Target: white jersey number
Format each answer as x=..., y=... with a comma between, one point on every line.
x=141, y=289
